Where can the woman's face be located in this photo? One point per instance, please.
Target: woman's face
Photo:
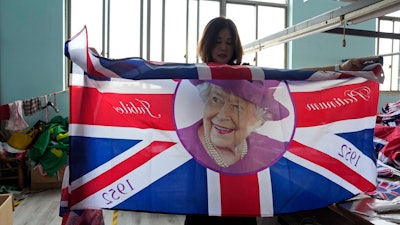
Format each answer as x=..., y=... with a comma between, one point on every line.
x=228, y=119
x=223, y=49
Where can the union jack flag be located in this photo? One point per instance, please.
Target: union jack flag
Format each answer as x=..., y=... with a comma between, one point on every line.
x=126, y=152
x=386, y=190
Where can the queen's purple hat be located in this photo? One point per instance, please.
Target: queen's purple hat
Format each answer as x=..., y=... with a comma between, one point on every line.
x=259, y=92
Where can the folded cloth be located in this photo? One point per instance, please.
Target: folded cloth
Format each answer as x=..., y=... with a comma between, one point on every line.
x=385, y=170
x=390, y=113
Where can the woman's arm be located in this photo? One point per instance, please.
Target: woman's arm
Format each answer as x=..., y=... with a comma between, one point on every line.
x=349, y=65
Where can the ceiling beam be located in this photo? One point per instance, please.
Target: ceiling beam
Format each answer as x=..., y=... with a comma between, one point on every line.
x=364, y=33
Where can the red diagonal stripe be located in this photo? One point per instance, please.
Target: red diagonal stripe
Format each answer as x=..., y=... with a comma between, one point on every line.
x=331, y=164
x=240, y=195
x=118, y=171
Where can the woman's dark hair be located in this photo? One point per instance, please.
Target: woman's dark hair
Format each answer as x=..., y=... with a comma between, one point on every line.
x=210, y=36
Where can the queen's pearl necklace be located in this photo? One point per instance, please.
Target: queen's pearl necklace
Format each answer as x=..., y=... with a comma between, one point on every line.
x=214, y=154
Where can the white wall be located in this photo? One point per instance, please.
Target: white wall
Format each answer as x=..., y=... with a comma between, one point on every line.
x=325, y=49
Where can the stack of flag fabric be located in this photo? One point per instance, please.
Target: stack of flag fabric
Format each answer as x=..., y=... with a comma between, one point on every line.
x=387, y=147
x=390, y=114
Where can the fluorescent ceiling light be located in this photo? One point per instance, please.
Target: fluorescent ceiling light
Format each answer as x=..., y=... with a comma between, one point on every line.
x=350, y=14
x=290, y=34
x=373, y=11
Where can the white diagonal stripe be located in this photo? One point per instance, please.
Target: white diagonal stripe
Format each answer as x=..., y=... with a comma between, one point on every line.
x=128, y=133
x=139, y=179
x=310, y=86
x=317, y=137
x=125, y=86
x=322, y=171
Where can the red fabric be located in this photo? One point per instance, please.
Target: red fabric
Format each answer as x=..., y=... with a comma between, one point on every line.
x=391, y=150
x=4, y=112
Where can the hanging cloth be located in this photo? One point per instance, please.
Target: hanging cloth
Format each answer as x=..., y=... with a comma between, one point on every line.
x=4, y=112
x=16, y=121
x=32, y=106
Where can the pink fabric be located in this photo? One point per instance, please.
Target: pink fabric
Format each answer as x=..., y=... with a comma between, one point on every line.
x=16, y=121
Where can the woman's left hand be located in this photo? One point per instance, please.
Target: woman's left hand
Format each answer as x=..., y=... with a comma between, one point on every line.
x=356, y=64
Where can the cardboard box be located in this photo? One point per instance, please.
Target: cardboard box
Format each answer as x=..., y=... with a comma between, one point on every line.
x=6, y=209
x=39, y=182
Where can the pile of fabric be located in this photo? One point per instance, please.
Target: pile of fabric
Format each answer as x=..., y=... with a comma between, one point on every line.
x=387, y=135
x=46, y=145
x=49, y=152
x=387, y=146
x=390, y=114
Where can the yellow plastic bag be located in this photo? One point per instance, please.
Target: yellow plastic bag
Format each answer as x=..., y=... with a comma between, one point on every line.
x=22, y=140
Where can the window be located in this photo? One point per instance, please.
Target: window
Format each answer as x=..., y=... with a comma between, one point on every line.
x=87, y=13
x=169, y=30
x=175, y=31
x=125, y=29
x=390, y=50
x=247, y=27
x=272, y=56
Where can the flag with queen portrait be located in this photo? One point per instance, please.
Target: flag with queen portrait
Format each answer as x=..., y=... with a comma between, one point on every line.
x=216, y=139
